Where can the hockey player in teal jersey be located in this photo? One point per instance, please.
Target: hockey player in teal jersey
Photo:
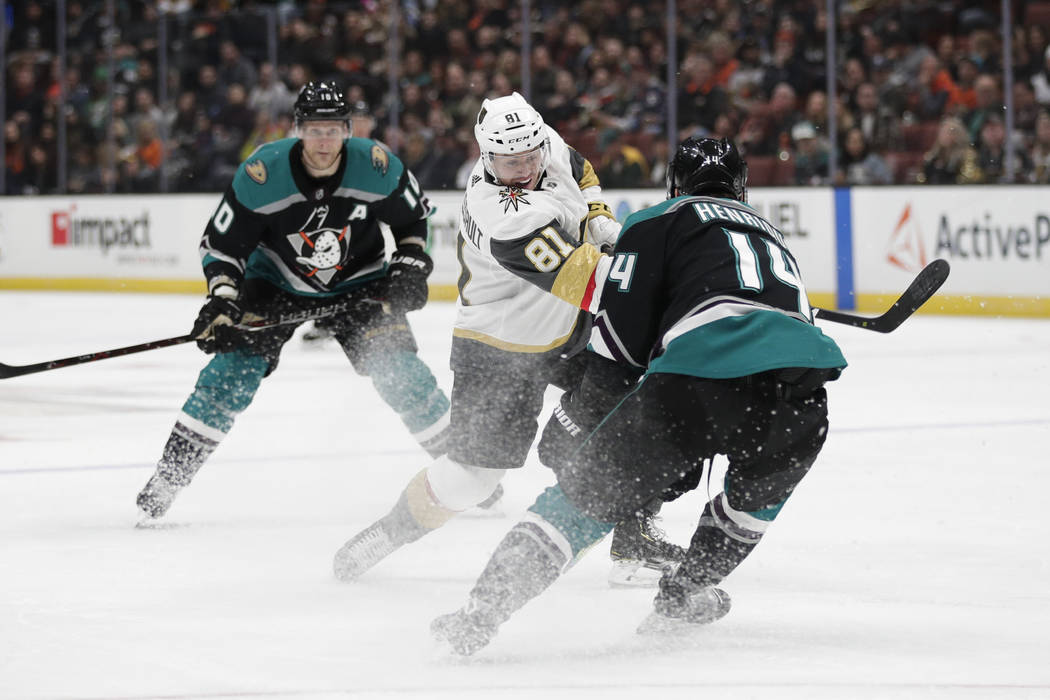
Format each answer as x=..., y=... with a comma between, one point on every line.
x=297, y=229
x=703, y=345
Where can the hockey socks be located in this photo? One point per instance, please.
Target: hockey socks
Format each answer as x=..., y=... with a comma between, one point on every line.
x=723, y=538
x=531, y=557
x=184, y=454
x=524, y=564
x=408, y=386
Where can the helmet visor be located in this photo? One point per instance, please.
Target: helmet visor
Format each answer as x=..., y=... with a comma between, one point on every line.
x=519, y=169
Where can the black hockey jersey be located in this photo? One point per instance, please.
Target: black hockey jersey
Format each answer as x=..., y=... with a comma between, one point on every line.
x=706, y=287
x=315, y=237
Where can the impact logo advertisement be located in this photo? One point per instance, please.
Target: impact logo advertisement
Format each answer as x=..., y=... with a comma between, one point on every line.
x=69, y=230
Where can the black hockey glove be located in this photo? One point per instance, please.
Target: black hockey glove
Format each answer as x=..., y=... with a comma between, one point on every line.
x=566, y=430
x=407, y=278
x=579, y=412
x=213, y=329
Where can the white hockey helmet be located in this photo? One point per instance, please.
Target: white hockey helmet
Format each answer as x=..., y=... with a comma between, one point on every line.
x=513, y=140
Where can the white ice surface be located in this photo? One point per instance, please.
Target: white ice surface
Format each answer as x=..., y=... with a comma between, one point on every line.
x=911, y=563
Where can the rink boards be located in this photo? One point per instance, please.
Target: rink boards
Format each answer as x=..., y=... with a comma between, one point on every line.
x=857, y=247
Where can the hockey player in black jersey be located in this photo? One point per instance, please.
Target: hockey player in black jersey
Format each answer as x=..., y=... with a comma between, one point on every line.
x=297, y=229
x=704, y=344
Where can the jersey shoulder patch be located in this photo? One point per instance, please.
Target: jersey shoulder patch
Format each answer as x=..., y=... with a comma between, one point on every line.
x=371, y=168
x=265, y=176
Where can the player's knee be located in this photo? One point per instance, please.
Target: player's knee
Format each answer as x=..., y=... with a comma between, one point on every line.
x=225, y=387
x=457, y=486
x=565, y=524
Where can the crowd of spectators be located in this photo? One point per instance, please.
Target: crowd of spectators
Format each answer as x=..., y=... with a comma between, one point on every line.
x=920, y=95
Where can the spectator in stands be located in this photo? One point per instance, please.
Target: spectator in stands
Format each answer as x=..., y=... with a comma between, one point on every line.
x=1040, y=154
x=269, y=93
x=236, y=117
x=951, y=160
x=988, y=102
x=785, y=66
x=700, y=98
x=745, y=84
x=878, y=123
x=622, y=165
x=15, y=158
x=964, y=98
x=815, y=112
x=768, y=130
x=992, y=153
x=859, y=165
x=562, y=109
x=1026, y=110
x=811, y=155
x=931, y=90
x=1041, y=81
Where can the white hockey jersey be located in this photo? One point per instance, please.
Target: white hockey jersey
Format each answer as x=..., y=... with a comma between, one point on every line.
x=527, y=262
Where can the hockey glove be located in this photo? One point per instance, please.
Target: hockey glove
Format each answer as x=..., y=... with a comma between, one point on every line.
x=602, y=229
x=213, y=329
x=580, y=411
x=407, y=278
x=565, y=432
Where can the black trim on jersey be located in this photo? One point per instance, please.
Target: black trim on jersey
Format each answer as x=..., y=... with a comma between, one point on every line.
x=577, y=163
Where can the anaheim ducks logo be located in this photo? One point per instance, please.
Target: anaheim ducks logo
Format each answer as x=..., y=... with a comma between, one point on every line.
x=380, y=160
x=512, y=197
x=256, y=170
x=319, y=248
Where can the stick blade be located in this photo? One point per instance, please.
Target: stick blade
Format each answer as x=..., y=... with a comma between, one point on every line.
x=921, y=289
x=924, y=286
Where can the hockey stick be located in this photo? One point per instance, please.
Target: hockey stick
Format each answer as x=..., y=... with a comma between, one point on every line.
x=8, y=371
x=918, y=293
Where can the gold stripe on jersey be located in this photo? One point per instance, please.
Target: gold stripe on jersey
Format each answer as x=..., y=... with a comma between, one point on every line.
x=589, y=178
x=575, y=274
x=512, y=347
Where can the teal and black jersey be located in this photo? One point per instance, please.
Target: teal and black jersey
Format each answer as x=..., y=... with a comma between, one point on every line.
x=706, y=287
x=312, y=236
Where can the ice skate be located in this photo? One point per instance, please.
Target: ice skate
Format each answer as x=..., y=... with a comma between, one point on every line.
x=683, y=604
x=364, y=550
x=641, y=553
x=465, y=632
x=156, y=497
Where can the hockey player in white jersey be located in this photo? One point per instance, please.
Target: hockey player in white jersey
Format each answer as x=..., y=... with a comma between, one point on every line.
x=532, y=227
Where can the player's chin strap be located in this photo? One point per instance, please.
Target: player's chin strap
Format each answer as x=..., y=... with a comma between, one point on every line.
x=8, y=371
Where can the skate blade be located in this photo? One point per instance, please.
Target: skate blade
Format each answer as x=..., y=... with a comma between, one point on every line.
x=628, y=573
x=656, y=623
x=150, y=523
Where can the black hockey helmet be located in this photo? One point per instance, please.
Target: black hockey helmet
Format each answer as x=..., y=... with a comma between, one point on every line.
x=321, y=101
x=707, y=166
